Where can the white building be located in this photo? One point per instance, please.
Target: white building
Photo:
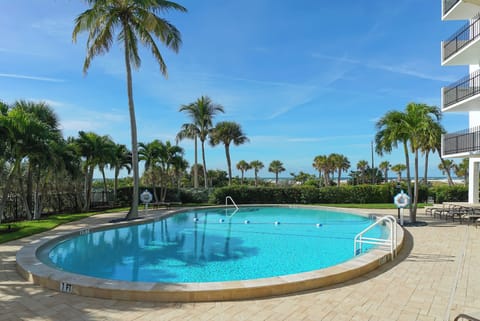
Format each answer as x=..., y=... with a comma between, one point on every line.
x=463, y=48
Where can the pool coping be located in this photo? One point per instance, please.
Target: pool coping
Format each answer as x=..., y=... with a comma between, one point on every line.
x=33, y=270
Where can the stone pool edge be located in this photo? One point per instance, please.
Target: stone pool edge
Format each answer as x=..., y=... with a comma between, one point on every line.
x=33, y=270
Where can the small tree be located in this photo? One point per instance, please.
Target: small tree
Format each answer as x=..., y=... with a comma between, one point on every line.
x=243, y=166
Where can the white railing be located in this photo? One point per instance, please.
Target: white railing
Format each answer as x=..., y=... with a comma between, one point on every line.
x=391, y=241
x=226, y=205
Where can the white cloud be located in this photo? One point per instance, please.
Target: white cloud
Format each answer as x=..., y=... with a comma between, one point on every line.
x=29, y=77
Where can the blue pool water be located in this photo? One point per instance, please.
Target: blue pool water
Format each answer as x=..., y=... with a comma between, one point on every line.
x=207, y=245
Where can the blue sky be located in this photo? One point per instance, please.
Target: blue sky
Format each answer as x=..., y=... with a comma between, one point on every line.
x=303, y=77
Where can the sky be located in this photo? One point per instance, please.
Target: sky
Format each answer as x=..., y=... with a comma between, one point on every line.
x=302, y=77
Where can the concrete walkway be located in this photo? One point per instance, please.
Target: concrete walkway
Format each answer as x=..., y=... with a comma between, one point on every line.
x=436, y=277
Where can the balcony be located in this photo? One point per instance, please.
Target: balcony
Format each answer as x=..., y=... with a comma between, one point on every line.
x=462, y=143
x=463, y=95
x=459, y=9
x=463, y=47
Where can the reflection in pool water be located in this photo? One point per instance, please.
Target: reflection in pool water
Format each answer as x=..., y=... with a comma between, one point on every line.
x=207, y=245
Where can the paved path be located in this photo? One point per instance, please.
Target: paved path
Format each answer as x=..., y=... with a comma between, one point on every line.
x=436, y=277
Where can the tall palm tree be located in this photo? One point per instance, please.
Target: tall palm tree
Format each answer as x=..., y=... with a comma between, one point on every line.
x=257, y=166
x=243, y=166
x=446, y=167
x=190, y=131
x=340, y=163
x=384, y=167
x=399, y=168
x=432, y=140
x=202, y=112
x=227, y=132
x=276, y=167
x=133, y=20
x=362, y=166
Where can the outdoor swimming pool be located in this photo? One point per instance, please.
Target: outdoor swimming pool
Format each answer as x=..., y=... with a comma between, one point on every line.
x=211, y=245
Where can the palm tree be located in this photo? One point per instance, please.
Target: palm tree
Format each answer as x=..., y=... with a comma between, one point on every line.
x=257, y=166
x=276, y=167
x=26, y=137
x=243, y=166
x=201, y=113
x=136, y=20
x=227, y=132
x=461, y=170
x=340, y=163
x=322, y=164
x=432, y=142
x=446, y=167
x=190, y=131
x=362, y=166
x=399, y=168
x=96, y=151
x=385, y=166
x=150, y=154
x=122, y=160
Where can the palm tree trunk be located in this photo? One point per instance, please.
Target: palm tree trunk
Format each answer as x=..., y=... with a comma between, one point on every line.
x=6, y=189
x=195, y=167
x=229, y=164
x=338, y=178
x=133, y=213
x=204, y=165
x=413, y=216
x=105, y=189
x=425, y=173
x=115, y=184
x=409, y=179
x=276, y=178
x=256, y=177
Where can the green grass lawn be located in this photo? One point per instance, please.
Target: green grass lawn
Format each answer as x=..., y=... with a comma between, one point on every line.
x=27, y=228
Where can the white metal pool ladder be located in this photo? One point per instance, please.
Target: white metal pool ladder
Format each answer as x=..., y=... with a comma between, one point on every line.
x=226, y=205
x=391, y=241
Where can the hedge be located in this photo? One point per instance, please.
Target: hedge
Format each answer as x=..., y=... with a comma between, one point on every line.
x=305, y=194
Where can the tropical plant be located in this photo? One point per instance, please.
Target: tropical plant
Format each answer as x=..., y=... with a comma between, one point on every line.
x=398, y=169
x=446, y=167
x=384, y=167
x=96, y=151
x=228, y=132
x=461, y=170
x=243, y=166
x=135, y=20
x=362, y=166
x=202, y=112
x=340, y=163
x=324, y=167
x=276, y=167
x=257, y=166
x=122, y=159
x=432, y=142
x=411, y=128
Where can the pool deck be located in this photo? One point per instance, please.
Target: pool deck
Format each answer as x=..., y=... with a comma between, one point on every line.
x=436, y=277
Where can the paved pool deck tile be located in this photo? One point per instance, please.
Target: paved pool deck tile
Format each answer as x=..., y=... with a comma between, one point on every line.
x=436, y=277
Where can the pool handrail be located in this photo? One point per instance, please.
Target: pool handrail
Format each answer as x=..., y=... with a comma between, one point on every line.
x=226, y=205
x=391, y=241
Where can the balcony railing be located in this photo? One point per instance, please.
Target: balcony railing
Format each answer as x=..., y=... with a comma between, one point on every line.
x=464, y=88
x=466, y=34
x=448, y=4
x=464, y=141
